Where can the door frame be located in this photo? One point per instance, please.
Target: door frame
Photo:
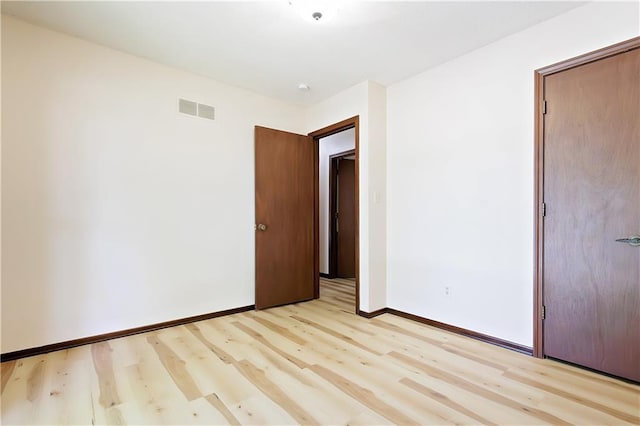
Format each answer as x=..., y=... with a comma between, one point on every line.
x=333, y=194
x=349, y=123
x=540, y=110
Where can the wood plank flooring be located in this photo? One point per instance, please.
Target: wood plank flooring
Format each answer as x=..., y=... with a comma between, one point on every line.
x=309, y=363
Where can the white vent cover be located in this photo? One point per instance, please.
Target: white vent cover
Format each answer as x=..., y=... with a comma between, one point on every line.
x=187, y=107
x=206, y=111
x=194, y=108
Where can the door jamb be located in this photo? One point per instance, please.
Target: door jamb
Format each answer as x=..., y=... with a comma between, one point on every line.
x=540, y=110
x=349, y=123
x=333, y=193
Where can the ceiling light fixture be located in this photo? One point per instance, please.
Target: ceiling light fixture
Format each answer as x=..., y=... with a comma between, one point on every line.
x=315, y=10
x=303, y=87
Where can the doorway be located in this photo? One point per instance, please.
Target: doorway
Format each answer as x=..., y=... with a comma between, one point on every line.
x=349, y=130
x=287, y=214
x=588, y=211
x=342, y=215
x=331, y=149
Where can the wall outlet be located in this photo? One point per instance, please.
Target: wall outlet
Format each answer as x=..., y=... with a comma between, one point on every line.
x=447, y=290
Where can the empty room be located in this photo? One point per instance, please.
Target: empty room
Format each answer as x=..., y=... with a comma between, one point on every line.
x=320, y=212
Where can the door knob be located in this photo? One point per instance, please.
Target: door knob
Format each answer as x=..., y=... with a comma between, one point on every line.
x=633, y=240
x=262, y=227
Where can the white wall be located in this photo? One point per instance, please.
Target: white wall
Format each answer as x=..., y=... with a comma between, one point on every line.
x=117, y=211
x=377, y=200
x=460, y=174
x=334, y=144
x=112, y=198
x=367, y=100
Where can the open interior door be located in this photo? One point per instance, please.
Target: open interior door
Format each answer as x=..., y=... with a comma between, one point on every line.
x=284, y=171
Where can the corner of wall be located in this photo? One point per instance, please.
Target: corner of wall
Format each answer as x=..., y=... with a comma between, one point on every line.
x=368, y=101
x=377, y=162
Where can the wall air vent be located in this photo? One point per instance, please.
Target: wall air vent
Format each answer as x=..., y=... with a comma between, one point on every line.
x=196, y=109
x=206, y=111
x=187, y=107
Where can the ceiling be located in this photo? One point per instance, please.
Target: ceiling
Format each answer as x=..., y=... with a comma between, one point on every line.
x=267, y=47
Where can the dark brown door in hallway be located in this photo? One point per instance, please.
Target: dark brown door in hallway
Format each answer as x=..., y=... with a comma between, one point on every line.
x=346, y=220
x=284, y=197
x=591, y=282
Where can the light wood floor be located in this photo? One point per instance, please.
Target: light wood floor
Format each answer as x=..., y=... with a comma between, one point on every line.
x=311, y=363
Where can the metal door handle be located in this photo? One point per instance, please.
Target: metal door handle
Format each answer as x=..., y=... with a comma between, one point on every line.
x=262, y=227
x=633, y=240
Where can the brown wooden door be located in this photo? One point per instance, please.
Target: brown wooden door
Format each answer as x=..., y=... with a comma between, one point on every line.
x=285, y=206
x=592, y=194
x=346, y=221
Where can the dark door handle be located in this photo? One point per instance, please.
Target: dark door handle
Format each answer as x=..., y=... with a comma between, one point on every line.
x=633, y=240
